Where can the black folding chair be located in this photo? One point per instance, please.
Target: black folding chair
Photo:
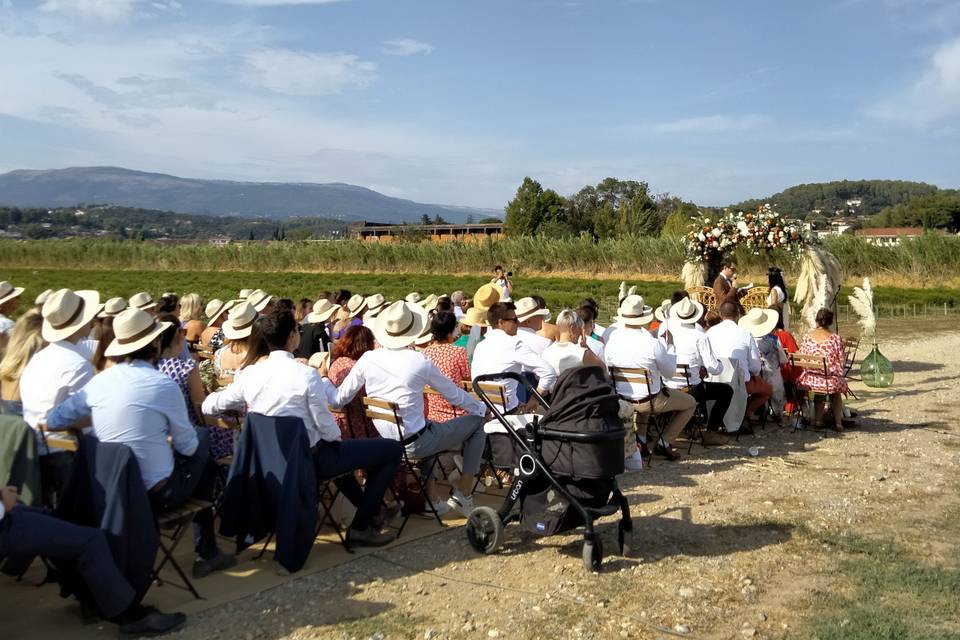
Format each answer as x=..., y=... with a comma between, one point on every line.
x=698, y=423
x=641, y=376
x=173, y=525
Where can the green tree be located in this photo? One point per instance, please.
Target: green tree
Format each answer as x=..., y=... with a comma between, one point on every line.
x=676, y=226
x=525, y=213
x=438, y=219
x=425, y=219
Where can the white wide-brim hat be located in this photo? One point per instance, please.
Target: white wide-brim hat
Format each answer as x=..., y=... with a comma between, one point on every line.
x=425, y=337
x=759, y=322
x=239, y=322
x=528, y=308
x=687, y=311
x=65, y=312
x=9, y=292
x=430, y=302
x=216, y=308
x=323, y=310
x=134, y=329
x=244, y=293
x=413, y=297
x=42, y=297
x=356, y=305
x=112, y=307
x=375, y=304
x=319, y=359
x=633, y=312
x=399, y=325
x=259, y=299
x=142, y=300
x=662, y=312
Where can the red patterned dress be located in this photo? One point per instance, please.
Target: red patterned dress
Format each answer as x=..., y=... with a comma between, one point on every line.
x=360, y=426
x=453, y=363
x=832, y=350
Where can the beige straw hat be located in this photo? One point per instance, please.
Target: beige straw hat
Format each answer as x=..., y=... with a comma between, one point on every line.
x=244, y=293
x=239, y=322
x=413, y=297
x=65, y=312
x=474, y=317
x=216, y=308
x=375, y=304
x=356, y=305
x=759, y=322
x=425, y=337
x=662, y=312
x=9, y=292
x=319, y=359
x=142, y=300
x=633, y=312
x=43, y=297
x=134, y=329
x=430, y=302
x=323, y=310
x=259, y=299
x=112, y=307
x=486, y=296
x=687, y=311
x=528, y=308
x=399, y=325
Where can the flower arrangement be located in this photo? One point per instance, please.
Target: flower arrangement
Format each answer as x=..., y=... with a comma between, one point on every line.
x=710, y=238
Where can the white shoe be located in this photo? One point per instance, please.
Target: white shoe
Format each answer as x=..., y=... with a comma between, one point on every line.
x=463, y=504
x=633, y=462
x=440, y=506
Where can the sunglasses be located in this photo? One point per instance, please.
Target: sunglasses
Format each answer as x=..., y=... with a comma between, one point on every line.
x=512, y=319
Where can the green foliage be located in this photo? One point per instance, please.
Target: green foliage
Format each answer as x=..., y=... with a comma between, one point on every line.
x=801, y=200
x=938, y=211
x=525, y=212
x=676, y=225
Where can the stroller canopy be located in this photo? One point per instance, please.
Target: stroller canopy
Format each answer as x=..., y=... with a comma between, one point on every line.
x=584, y=401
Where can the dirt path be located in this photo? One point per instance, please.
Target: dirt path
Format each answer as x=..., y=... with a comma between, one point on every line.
x=730, y=546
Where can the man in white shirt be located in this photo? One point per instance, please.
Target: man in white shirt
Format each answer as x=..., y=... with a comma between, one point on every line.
x=502, y=351
x=693, y=349
x=588, y=316
x=400, y=375
x=631, y=347
x=731, y=341
x=133, y=404
x=281, y=386
x=530, y=317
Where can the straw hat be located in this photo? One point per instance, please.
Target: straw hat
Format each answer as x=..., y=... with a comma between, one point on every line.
x=663, y=311
x=399, y=325
x=319, y=359
x=486, y=296
x=142, y=300
x=42, y=297
x=633, y=312
x=322, y=311
x=259, y=299
x=8, y=291
x=528, y=308
x=687, y=311
x=216, y=308
x=134, y=329
x=375, y=304
x=413, y=297
x=759, y=322
x=245, y=293
x=112, y=307
x=356, y=305
x=430, y=302
x=239, y=322
x=474, y=317
x=425, y=338
x=65, y=312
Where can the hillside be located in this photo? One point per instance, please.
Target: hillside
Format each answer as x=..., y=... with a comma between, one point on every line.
x=112, y=185
x=843, y=197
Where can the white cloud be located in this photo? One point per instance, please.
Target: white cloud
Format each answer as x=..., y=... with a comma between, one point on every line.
x=301, y=73
x=110, y=10
x=709, y=124
x=933, y=97
x=406, y=47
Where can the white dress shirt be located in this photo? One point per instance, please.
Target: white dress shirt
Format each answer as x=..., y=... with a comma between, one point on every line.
x=730, y=341
x=532, y=339
x=596, y=347
x=693, y=349
x=609, y=332
x=281, y=386
x=53, y=373
x=6, y=324
x=631, y=348
x=501, y=353
x=400, y=376
x=132, y=403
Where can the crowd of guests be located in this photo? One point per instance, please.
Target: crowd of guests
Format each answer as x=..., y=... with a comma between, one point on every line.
x=146, y=373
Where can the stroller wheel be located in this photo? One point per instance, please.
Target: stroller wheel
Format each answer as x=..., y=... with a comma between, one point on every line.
x=625, y=540
x=484, y=530
x=593, y=555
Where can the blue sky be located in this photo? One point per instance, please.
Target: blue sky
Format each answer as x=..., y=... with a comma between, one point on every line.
x=454, y=102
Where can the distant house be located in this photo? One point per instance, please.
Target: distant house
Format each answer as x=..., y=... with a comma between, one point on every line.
x=377, y=232
x=855, y=202
x=889, y=236
x=220, y=241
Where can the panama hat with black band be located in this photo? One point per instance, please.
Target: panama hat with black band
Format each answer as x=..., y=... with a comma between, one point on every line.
x=323, y=310
x=134, y=329
x=112, y=307
x=142, y=300
x=9, y=292
x=66, y=312
x=239, y=323
x=687, y=311
x=633, y=312
x=399, y=325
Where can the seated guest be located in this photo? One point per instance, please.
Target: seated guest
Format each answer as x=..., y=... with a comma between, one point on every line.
x=729, y=340
x=675, y=297
x=824, y=342
x=28, y=532
x=105, y=336
x=102, y=332
x=375, y=304
x=237, y=329
x=313, y=335
x=399, y=374
x=216, y=311
x=133, y=404
x=168, y=303
x=458, y=298
x=547, y=329
x=190, y=307
x=761, y=323
x=262, y=301
x=25, y=341
x=502, y=351
x=711, y=319
x=58, y=370
x=304, y=307
x=531, y=317
x=787, y=371
x=568, y=351
x=591, y=341
x=693, y=349
x=40, y=299
x=632, y=346
x=593, y=306
x=451, y=360
x=350, y=316
x=281, y=386
x=353, y=421
x=9, y=301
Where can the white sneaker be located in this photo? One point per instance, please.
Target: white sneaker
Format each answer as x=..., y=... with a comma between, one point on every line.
x=440, y=506
x=633, y=462
x=463, y=504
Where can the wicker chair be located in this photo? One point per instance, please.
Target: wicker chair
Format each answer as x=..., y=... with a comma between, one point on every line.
x=756, y=298
x=703, y=295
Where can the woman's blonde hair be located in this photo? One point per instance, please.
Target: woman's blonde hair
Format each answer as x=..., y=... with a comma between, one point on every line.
x=569, y=321
x=25, y=340
x=191, y=305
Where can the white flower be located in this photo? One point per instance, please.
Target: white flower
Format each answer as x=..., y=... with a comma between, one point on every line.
x=701, y=237
x=716, y=232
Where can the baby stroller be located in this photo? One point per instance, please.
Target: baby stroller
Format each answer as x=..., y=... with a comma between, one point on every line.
x=566, y=466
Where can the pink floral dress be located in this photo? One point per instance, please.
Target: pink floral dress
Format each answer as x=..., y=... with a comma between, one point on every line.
x=832, y=350
x=453, y=363
x=352, y=421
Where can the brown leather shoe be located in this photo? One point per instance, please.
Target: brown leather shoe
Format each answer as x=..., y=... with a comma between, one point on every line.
x=714, y=439
x=368, y=537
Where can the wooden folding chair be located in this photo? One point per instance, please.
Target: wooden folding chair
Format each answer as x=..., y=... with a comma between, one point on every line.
x=642, y=376
x=850, y=348
x=496, y=392
x=377, y=409
x=172, y=526
x=814, y=364
x=698, y=423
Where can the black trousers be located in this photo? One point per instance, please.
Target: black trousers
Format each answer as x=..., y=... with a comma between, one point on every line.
x=379, y=457
x=28, y=532
x=193, y=477
x=721, y=393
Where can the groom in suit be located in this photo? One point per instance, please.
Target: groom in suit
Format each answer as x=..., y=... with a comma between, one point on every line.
x=723, y=287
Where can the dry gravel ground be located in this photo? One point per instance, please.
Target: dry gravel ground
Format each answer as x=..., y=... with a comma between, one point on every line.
x=730, y=545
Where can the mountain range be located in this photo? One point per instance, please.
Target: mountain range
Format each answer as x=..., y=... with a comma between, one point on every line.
x=278, y=200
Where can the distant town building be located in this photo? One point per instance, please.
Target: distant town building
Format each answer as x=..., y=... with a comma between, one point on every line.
x=377, y=232
x=855, y=202
x=220, y=241
x=888, y=236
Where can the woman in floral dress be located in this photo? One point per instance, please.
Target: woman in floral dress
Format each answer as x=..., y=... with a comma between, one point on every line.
x=827, y=344
x=355, y=342
x=450, y=359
